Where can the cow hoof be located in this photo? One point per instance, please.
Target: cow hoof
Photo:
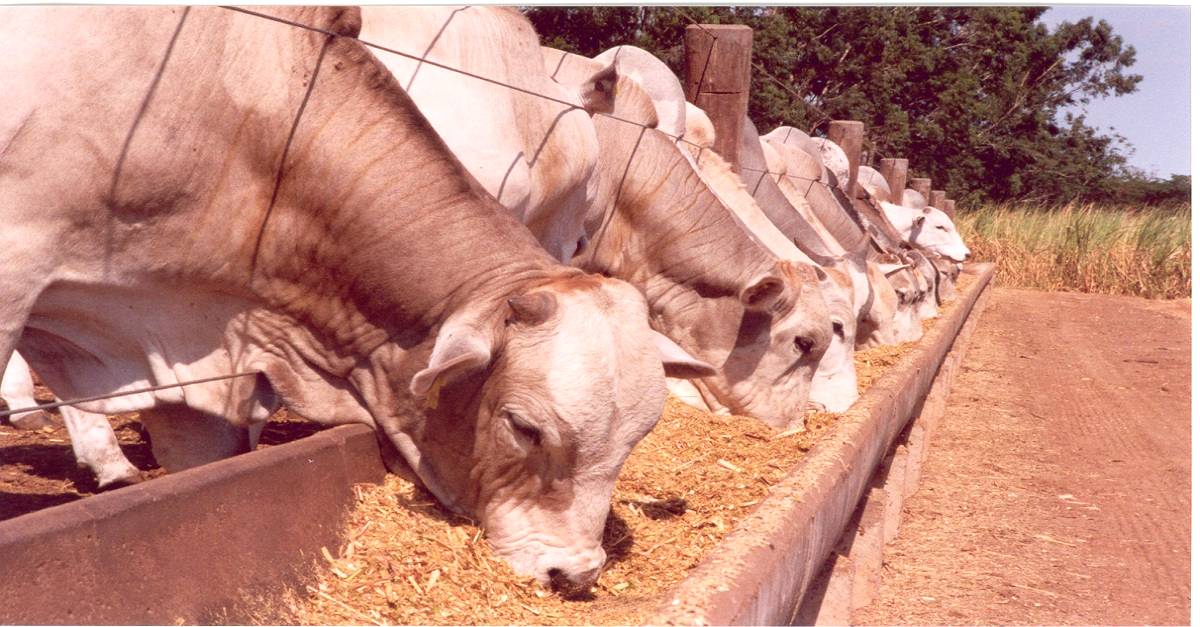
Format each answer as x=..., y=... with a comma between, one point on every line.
x=120, y=481
x=33, y=420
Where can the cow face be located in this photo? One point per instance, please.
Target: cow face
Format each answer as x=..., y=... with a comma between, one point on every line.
x=947, y=274
x=927, y=281
x=928, y=227
x=835, y=385
x=573, y=379
x=934, y=230
x=769, y=357
x=879, y=325
x=908, y=295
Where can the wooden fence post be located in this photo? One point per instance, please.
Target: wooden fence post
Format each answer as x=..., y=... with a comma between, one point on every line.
x=923, y=186
x=948, y=207
x=717, y=79
x=848, y=134
x=895, y=172
x=937, y=198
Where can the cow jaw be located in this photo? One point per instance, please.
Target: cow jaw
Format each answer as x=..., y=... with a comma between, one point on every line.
x=555, y=414
x=835, y=385
x=879, y=325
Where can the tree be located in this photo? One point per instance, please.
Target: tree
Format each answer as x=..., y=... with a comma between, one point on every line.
x=975, y=98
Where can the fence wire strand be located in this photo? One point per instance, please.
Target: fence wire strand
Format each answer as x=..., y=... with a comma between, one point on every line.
x=424, y=60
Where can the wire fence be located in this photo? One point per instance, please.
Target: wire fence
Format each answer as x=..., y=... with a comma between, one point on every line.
x=424, y=60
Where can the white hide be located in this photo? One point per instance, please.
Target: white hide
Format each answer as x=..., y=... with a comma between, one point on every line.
x=92, y=438
x=928, y=227
x=872, y=181
x=16, y=389
x=834, y=158
x=913, y=199
x=663, y=89
x=534, y=155
x=907, y=321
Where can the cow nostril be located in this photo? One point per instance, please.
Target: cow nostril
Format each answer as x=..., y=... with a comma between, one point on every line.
x=567, y=588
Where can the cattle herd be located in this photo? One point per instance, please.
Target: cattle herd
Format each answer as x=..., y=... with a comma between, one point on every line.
x=498, y=255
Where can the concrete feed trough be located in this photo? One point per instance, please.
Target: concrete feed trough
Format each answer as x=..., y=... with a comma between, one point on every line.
x=198, y=546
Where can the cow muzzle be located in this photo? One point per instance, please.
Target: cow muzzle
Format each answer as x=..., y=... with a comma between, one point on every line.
x=572, y=576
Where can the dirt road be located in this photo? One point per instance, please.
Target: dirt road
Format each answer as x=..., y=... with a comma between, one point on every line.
x=1057, y=489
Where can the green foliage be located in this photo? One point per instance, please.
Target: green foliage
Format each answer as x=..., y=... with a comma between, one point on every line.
x=1136, y=189
x=976, y=98
x=1107, y=249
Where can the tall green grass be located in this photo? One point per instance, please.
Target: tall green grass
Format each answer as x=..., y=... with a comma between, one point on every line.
x=1085, y=248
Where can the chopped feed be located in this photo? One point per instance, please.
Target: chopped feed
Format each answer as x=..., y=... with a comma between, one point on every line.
x=409, y=561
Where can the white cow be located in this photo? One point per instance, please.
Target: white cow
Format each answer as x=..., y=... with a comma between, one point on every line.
x=834, y=159
x=712, y=286
x=928, y=227
x=200, y=192
x=835, y=385
x=904, y=304
x=499, y=44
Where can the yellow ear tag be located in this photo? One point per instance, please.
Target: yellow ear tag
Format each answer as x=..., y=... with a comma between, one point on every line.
x=431, y=399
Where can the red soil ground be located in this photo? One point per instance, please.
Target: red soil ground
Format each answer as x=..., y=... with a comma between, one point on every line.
x=1057, y=489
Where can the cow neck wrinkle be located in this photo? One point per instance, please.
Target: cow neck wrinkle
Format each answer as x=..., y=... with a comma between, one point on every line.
x=771, y=199
x=405, y=254
x=669, y=226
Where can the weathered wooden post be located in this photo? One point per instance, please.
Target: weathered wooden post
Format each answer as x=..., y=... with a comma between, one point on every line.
x=937, y=198
x=948, y=207
x=923, y=186
x=895, y=172
x=848, y=134
x=717, y=79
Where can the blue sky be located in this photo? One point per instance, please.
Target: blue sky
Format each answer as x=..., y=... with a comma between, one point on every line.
x=1155, y=119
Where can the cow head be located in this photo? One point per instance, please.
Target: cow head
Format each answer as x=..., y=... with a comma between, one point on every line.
x=533, y=408
x=928, y=227
x=902, y=277
x=763, y=323
x=835, y=385
x=769, y=361
x=878, y=326
x=927, y=280
x=947, y=274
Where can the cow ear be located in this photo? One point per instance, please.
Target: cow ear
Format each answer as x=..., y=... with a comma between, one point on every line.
x=598, y=93
x=458, y=351
x=677, y=362
x=762, y=294
x=888, y=268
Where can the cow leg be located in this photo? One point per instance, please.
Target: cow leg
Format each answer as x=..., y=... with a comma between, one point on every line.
x=96, y=447
x=16, y=389
x=183, y=438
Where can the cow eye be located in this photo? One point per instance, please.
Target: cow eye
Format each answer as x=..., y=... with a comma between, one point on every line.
x=839, y=329
x=803, y=345
x=942, y=228
x=525, y=430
